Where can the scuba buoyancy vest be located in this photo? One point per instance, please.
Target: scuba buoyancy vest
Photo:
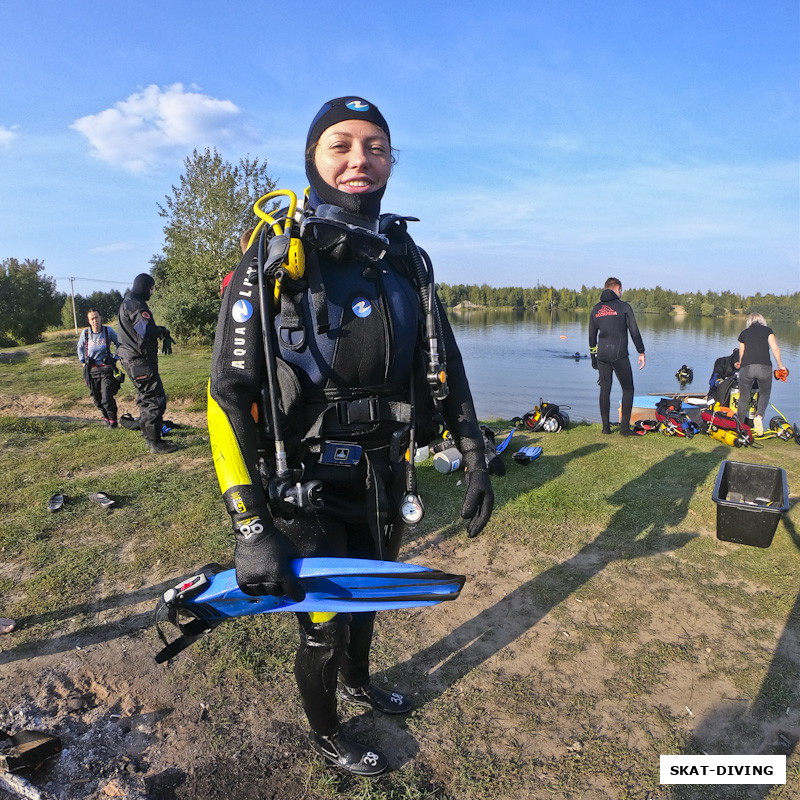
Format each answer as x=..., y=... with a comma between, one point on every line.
x=723, y=377
x=347, y=346
x=86, y=333
x=673, y=420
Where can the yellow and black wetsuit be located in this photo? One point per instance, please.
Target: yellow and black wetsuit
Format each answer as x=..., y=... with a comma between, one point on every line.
x=348, y=339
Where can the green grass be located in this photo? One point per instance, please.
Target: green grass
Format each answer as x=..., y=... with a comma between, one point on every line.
x=620, y=597
x=185, y=373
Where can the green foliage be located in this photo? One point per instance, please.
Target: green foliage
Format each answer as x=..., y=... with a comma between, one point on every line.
x=777, y=308
x=206, y=216
x=107, y=303
x=29, y=301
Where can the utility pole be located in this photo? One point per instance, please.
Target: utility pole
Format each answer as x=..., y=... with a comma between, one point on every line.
x=74, y=315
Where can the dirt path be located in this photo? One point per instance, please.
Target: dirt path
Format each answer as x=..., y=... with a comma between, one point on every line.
x=39, y=405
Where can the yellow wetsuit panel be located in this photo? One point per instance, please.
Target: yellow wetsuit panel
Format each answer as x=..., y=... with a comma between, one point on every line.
x=228, y=459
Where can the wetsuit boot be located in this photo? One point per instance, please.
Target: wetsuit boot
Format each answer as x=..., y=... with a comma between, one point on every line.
x=354, y=685
x=350, y=755
x=371, y=696
x=316, y=666
x=152, y=434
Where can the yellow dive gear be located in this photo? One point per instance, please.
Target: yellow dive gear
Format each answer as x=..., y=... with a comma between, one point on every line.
x=295, y=262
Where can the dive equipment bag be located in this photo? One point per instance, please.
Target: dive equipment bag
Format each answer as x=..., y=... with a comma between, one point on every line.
x=546, y=417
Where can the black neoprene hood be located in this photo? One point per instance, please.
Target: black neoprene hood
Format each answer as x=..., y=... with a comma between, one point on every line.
x=142, y=283
x=338, y=110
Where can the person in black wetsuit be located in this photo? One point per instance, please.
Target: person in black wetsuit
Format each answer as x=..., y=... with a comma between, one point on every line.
x=609, y=323
x=351, y=344
x=138, y=351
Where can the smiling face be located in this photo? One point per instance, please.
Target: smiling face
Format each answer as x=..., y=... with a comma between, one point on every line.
x=354, y=156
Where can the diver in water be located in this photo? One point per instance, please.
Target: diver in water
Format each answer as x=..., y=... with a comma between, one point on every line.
x=350, y=337
x=609, y=323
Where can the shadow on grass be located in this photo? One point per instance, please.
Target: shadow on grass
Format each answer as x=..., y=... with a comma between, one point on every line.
x=764, y=722
x=627, y=536
x=536, y=476
x=88, y=634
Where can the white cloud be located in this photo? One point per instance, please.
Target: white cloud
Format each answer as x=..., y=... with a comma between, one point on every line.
x=709, y=221
x=7, y=135
x=157, y=124
x=114, y=247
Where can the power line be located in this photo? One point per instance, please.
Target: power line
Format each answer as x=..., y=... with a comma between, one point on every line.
x=93, y=280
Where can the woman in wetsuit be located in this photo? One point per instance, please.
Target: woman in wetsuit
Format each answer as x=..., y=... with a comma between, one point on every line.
x=755, y=343
x=348, y=335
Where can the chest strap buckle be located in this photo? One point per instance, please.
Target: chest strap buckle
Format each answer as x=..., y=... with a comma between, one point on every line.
x=362, y=410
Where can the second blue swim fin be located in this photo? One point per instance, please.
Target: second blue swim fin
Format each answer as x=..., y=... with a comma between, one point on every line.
x=527, y=454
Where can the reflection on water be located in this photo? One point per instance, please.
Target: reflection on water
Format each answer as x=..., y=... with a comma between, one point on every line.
x=515, y=358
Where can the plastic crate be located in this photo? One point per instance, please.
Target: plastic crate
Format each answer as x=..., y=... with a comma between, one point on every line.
x=750, y=499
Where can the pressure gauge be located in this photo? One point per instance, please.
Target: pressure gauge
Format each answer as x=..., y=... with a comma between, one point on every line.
x=411, y=509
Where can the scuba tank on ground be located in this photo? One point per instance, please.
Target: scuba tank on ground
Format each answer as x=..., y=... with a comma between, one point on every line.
x=734, y=400
x=779, y=428
x=446, y=456
x=727, y=436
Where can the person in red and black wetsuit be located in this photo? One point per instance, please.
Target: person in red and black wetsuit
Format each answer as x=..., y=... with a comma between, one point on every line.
x=609, y=324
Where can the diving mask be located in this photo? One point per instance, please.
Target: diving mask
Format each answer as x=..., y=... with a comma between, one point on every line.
x=338, y=233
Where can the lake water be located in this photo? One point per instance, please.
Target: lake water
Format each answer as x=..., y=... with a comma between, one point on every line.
x=513, y=359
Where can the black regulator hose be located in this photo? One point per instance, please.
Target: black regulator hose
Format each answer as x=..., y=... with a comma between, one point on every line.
x=281, y=464
x=437, y=365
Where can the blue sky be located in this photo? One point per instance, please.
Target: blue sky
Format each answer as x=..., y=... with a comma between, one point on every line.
x=553, y=142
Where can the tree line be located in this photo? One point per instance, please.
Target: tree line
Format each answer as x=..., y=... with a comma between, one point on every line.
x=784, y=308
x=30, y=303
x=205, y=216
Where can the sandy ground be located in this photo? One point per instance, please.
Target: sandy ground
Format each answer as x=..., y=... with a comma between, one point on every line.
x=133, y=729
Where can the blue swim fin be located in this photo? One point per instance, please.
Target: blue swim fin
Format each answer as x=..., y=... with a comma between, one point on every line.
x=527, y=454
x=341, y=585
x=502, y=446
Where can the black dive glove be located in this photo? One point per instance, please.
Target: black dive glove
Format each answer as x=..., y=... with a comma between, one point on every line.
x=594, y=361
x=478, y=501
x=166, y=344
x=263, y=558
